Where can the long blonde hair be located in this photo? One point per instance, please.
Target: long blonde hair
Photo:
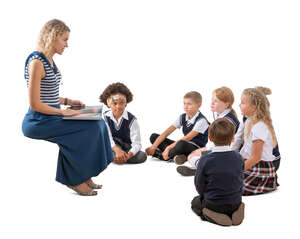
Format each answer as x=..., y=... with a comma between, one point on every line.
x=225, y=94
x=258, y=97
x=49, y=33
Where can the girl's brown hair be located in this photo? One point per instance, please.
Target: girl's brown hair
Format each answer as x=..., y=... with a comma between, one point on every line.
x=257, y=97
x=225, y=94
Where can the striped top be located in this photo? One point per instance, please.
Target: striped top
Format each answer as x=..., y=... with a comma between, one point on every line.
x=49, y=92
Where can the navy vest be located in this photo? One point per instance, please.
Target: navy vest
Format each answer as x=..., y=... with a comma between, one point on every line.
x=233, y=119
x=200, y=139
x=123, y=131
x=275, y=152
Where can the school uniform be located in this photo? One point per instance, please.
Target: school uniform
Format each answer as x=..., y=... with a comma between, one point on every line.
x=262, y=177
x=239, y=141
x=197, y=123
x=227, y=113
x=125, y=133
x=219, y=181
x=84, y=148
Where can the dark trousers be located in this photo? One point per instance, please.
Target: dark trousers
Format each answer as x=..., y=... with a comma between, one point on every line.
x=140, y=157
x=198, y=203
x=181, y=147
x=276, y=164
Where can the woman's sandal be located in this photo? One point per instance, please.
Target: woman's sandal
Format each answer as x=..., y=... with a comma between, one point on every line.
x=94, y=185
x=81, y=193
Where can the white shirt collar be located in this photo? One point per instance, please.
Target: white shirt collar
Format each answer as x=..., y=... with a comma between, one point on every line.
x=221, y=148
x=192, y=120
x=124, y=115
x=225, y=112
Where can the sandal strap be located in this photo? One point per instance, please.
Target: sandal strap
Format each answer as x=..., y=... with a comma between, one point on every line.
x=81, y=193
x=93, y=185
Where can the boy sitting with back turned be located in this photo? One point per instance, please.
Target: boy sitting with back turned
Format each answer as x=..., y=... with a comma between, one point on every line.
x=219, y=179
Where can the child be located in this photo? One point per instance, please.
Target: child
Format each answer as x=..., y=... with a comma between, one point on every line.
x=195, y=129
x=221, y=106
x=219, y=179
x=259, y=140
x=239, y=137
x=124, y=130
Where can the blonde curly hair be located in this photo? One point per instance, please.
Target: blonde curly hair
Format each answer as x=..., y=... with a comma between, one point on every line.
x=49, y=33
x=257, y=97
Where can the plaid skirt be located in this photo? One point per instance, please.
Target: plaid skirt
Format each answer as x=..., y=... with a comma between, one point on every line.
x=261, y=178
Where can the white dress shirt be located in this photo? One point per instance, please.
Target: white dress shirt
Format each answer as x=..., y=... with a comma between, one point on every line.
x=134, y=131
x=200, y=126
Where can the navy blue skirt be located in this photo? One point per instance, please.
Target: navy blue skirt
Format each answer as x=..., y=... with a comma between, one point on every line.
x=84, y=146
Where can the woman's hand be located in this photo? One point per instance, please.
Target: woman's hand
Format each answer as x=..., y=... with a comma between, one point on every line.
x=77, y=103
x=70, y=112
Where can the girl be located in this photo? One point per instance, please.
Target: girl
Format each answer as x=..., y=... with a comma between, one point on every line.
x=259, y=139
x=81, y=156
x=239, y=136
x=221, y=106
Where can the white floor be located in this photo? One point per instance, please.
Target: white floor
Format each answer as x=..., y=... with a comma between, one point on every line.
x=150, y=200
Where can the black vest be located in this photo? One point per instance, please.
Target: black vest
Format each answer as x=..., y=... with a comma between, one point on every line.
x=200, y=139
x=233, y=119
x=123, y=131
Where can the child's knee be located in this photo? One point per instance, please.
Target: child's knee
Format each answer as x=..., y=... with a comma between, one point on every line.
x=153, y=137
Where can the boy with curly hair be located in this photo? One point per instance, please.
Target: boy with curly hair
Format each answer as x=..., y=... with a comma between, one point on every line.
x=123, y=127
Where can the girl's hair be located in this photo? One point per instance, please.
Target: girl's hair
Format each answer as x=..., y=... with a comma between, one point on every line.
x=257, y=97
x=194, y=96
x=49, y=33
x=114, y=89
x=225, y=94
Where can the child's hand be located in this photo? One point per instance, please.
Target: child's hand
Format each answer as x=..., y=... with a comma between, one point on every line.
x=129, y=156
x=120, y=155
x=150, y=150
x=165, y=154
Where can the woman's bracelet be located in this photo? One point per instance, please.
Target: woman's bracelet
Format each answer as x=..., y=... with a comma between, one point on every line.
x=65, y=101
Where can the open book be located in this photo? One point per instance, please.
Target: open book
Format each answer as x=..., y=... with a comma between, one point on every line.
x=87, y=113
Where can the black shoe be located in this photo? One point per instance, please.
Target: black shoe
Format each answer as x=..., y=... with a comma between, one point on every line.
x=186, y=171
x=180, y=159
x=158, y=154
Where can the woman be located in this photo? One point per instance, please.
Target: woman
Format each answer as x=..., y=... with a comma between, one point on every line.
x=84, y=147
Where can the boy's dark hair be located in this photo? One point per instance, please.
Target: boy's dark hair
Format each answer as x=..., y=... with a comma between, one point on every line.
x=114, y=89
x=194, y=96
x=221, y=132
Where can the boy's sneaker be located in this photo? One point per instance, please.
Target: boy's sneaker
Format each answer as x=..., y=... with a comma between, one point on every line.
x=238, y=215
x=218, y=218
x=186, y=171
x=180, y=159
x=158, y=154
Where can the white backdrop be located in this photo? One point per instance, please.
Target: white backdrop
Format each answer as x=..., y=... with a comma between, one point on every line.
x=160, y=50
